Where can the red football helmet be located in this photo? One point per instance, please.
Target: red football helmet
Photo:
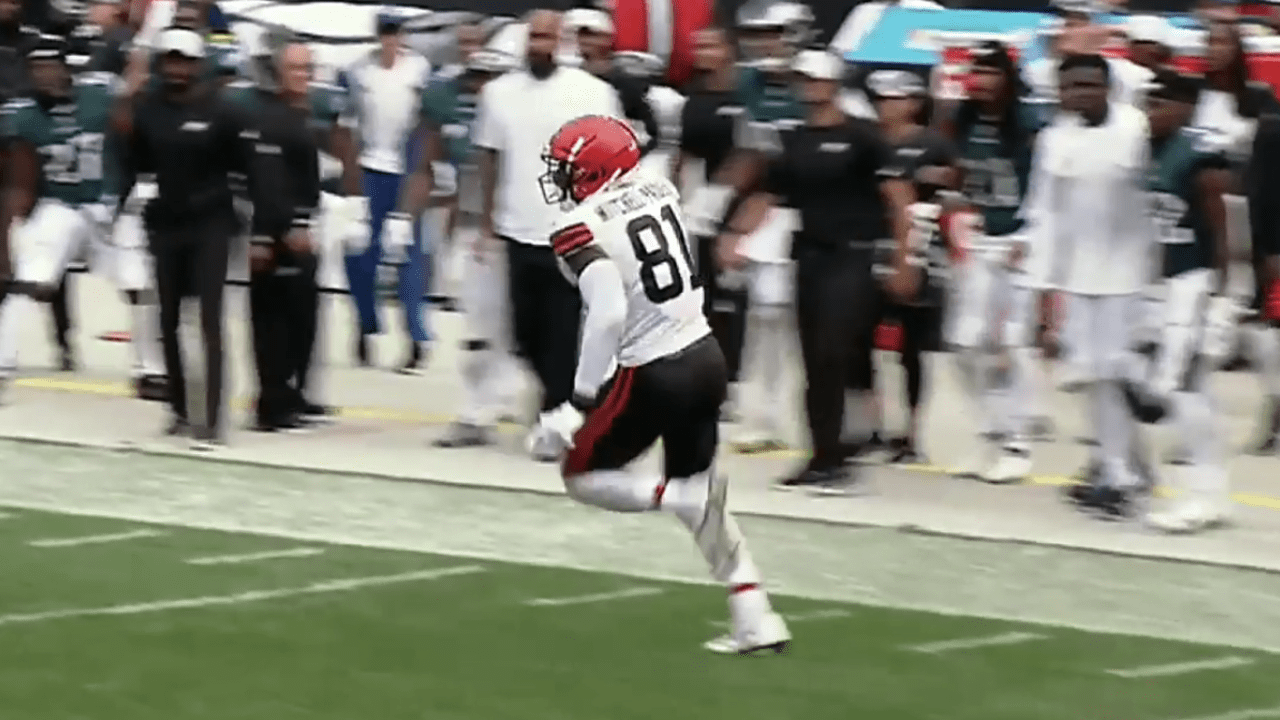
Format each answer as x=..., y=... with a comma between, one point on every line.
x=585, y=155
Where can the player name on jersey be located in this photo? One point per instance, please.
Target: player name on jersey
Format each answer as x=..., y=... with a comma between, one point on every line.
x=635, y=199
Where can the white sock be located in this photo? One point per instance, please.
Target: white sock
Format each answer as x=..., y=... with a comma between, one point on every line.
x=773, y=363
x=970, y=368
x=480, y=399
x=686, y=499
x=1029, y=380
x=1266, y=353
x=1199, y=431
x=1114, y=432
x=145, y=340
x=12, y=313
x=616, y=490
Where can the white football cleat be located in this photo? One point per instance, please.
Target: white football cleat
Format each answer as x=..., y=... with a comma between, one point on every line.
x=769, y=634
x=1189, y=516
x=978, y=459
x=1011, y=466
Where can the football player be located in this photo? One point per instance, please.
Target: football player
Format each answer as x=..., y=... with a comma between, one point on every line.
x=55, y=146
x=1188, y=176
x=489, y=371
x=649, y=368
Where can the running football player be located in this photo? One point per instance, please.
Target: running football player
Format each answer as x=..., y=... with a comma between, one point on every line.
x=649, y=368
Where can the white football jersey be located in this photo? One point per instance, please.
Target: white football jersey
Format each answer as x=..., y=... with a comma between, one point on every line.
x=638, y=225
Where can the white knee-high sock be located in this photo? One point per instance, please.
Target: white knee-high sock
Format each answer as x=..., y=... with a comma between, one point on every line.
x=479, y=396
x=616, y=490
x=148, y=355
x=13, y=311
x=773, y=363
x=1265, y=344
x=1199, y=431
x=1114, y=426
x=686, y=499
x=1029, y=381
x=971, y=368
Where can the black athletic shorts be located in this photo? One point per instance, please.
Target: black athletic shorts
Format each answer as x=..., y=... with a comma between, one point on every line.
x=676, y=399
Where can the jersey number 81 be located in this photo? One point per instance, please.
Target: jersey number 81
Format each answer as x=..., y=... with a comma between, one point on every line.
x=661, y=273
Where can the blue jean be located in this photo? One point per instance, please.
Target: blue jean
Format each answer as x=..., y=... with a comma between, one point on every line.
x=383, y=191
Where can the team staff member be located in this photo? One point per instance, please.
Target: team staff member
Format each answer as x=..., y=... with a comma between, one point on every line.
x=595, y=44
x=841, y=177
x=188, y=136
x=546, y=309
x=385, y=91
x=283, y=297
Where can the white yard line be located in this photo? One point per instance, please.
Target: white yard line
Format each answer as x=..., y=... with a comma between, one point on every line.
x=1248, y=714
x=801, y=617
x=319, y=588
x=594, y=597
x=255, y=557
x=1010, y=638
x=93, y=539
x=1183, y=668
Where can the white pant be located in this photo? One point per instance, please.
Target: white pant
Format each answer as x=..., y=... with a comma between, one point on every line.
x=980, y=295
x=123, y=257
x=1100, y=333
x=1182, y=322
x=489, y=370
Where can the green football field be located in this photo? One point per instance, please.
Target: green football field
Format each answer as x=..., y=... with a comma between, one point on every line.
x=103, y=619
x=154, y=587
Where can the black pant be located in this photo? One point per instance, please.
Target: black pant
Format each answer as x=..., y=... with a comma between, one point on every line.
x=192, y=263
x=283, y=302
x=836, y=309
x=676, y=399
x=546, y=319
x=725, y=309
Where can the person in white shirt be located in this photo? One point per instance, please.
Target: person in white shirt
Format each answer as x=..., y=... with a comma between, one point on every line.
x=515, y=118
x=1090, y=234
x=385, y=92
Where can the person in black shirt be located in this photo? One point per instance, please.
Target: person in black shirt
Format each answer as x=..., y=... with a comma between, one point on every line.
x=282, y=256
x=928, y=159
x=709, y=121
x=842, y=178
x=189, y=137
x=595, y=44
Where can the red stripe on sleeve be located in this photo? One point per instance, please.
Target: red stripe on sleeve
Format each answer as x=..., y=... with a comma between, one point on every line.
x=571, y=238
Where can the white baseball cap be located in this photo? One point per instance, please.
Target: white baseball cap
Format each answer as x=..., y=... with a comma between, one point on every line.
x=187, y=43
x=1149, y=28
x=590, y=19
x=818, y=64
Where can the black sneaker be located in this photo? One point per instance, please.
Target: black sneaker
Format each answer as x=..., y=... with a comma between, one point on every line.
x=808, y=477
x=417, y=358
x=1110, y=503
x=154, y=388
x=906, y=453
x=204, y=439
x=67, y=360
x=178, y=427
x=841, y=481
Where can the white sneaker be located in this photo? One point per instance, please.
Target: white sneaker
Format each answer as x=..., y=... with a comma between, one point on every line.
x=1013, y=465
x=543, y=447
x=1190, y=515
x=769, y=633
x=977, y=461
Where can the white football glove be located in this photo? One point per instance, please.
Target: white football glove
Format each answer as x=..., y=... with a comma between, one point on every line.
x=1220, y=327
x=557, y=426
x=706, y=209
x=101, y=215
x=354, y=221
x=397, y=237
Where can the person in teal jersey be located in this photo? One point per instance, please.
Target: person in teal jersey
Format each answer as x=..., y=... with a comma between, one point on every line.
x=50, y=157
x=994, y=132
x=448, y=110
x=1187, y=177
